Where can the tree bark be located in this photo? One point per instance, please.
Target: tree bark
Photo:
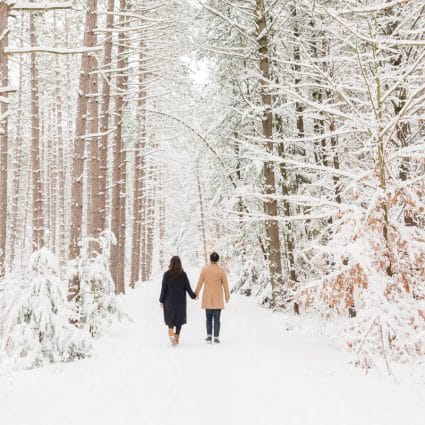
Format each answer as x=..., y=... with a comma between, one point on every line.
x=139, y=174
x=36, y=164
x=105, y=117
x=61, y=175
x=119, y=166
x=80, y=132
x=202, y=217
x=15, y=229
x=273, y=248
x=149, y=215
x=4, y=81
x=95, y=211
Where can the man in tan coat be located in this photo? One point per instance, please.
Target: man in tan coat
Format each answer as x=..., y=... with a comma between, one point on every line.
x=216, y=291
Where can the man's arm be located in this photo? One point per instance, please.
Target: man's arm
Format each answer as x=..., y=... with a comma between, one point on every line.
x=225, y=284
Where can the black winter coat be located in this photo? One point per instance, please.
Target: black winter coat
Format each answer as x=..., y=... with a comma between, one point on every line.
x=173, y=297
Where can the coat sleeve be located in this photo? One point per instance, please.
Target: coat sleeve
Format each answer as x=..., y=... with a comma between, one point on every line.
x=163, y=290
x=188, y=287
x=200, y=283
x=225, y=284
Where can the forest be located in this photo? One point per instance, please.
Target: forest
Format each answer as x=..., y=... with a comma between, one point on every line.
x=289, y=136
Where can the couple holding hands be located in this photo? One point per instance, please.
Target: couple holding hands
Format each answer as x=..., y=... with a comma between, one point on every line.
x=175, y=284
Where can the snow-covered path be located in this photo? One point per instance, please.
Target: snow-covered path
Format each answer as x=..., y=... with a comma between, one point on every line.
x=259, y=375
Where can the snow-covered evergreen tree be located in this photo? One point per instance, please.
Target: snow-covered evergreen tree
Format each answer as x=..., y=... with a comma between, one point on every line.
x=95, y=303
x=37, y=328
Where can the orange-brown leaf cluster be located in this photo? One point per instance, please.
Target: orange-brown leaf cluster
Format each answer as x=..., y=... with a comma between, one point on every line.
x=338, y=292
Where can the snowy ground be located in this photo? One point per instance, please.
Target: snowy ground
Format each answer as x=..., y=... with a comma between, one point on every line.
x=260, y=375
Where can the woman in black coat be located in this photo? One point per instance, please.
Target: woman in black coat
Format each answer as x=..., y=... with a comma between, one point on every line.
x=175, y=284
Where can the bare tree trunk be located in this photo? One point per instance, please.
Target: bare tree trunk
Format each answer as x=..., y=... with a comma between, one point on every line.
x=68, y=148
x=150, y=234
x=95, y=210
x=288, y=230
x=202, y=212
x=36, y=163
x=4, y=77
x=80, y=132
x=299, y=107
x=270, y=204
x=105, y=116
x=119, y=167
x=335, y=178
x=17, y=167
x=137, y=213
x=51, y=175
x=139, y=175
x=149, y=229
x=161, y=229
x=61, y=174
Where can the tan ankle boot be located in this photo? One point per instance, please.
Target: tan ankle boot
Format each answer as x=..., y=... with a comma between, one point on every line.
x=177, y=339
x=171, y=336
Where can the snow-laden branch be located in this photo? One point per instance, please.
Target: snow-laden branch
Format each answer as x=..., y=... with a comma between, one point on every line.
x=52, y=50
x=4, y=116
x=8, y=89
x=375, y=8
x=40, y=7
x=394, y=42
x=233, y=24
x=250, y=217
x=4, y=33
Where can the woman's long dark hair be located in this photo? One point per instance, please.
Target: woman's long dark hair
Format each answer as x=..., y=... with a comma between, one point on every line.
x=175, y=267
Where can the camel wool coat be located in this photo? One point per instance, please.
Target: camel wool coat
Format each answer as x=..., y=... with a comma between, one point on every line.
x=215, y=280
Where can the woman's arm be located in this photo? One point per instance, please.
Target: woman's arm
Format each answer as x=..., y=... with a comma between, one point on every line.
x=163, y=290
x=188, y=287
x=200, y=283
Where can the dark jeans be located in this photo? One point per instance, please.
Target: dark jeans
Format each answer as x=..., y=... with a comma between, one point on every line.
x=213, y=315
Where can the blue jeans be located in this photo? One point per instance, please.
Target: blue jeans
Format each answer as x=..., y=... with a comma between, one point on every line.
x=213, y=315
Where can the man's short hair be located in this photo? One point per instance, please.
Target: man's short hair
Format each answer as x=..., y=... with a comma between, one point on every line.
x=214, y=257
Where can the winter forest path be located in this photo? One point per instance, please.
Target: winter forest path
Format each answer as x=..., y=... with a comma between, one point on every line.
x=259, y=375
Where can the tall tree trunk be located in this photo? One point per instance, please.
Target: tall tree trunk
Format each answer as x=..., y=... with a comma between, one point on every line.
x=105, y=116
x=80, y=132
x=51, y=174
x=68, y=148
x=139, y=174
x=149, y=228
x=162, y=225
x=288, y=229
x=4, y=81
x=119, y=166
x=36, y=162
x=202, y=216
x=270, y=204
x=95, y=211
x=61, y=151
x=15, y=230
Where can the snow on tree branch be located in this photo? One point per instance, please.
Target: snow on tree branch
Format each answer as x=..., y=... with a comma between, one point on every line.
x=42, y=7
x=52, y=50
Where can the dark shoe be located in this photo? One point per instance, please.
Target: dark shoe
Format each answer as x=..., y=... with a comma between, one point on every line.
x=216, y=340
x=208, y=339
